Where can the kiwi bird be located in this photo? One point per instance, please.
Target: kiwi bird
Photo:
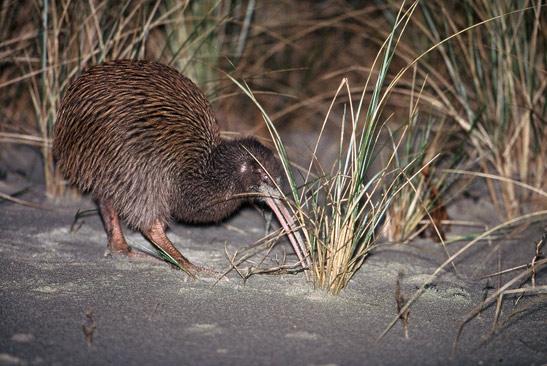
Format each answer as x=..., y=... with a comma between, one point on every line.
x=144, y=141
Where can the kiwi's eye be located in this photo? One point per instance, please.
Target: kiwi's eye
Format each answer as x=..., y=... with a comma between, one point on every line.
x=264, y=177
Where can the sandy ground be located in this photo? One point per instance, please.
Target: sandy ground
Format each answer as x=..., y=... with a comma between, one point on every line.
x=145, y=312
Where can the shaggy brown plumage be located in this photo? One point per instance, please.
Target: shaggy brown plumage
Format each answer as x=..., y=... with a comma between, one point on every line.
x=143, y=139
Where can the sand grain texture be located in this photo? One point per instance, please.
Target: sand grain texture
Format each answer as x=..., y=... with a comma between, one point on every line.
x=145, y=312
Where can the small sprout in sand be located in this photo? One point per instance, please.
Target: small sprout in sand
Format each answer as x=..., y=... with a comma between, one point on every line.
x=153, y=311
x=79, y=214
x=90, y=327
x=401, y=300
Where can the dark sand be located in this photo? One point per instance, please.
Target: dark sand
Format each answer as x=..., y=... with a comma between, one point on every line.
x=145, y=312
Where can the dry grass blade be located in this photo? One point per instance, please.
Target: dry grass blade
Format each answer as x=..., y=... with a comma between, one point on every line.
x=7, y=197
x=499, y=295
x=523, y=218
x=261, y=248
x=532, y=290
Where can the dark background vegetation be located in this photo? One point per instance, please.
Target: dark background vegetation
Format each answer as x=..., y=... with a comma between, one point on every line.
x=487, y=83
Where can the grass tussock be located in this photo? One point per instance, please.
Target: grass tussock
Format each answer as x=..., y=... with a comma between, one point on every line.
x=420, y=206
x=339, y=210
x=485, y=71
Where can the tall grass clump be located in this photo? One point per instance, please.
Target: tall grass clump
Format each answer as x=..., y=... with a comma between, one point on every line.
x=420, y=206
x=211, y=30
x=489, y=78
x=340, y=209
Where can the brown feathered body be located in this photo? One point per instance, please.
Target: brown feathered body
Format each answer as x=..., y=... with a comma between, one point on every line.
x=142, y=136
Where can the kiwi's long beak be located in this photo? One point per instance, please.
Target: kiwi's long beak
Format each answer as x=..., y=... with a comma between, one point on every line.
x=286, y=220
